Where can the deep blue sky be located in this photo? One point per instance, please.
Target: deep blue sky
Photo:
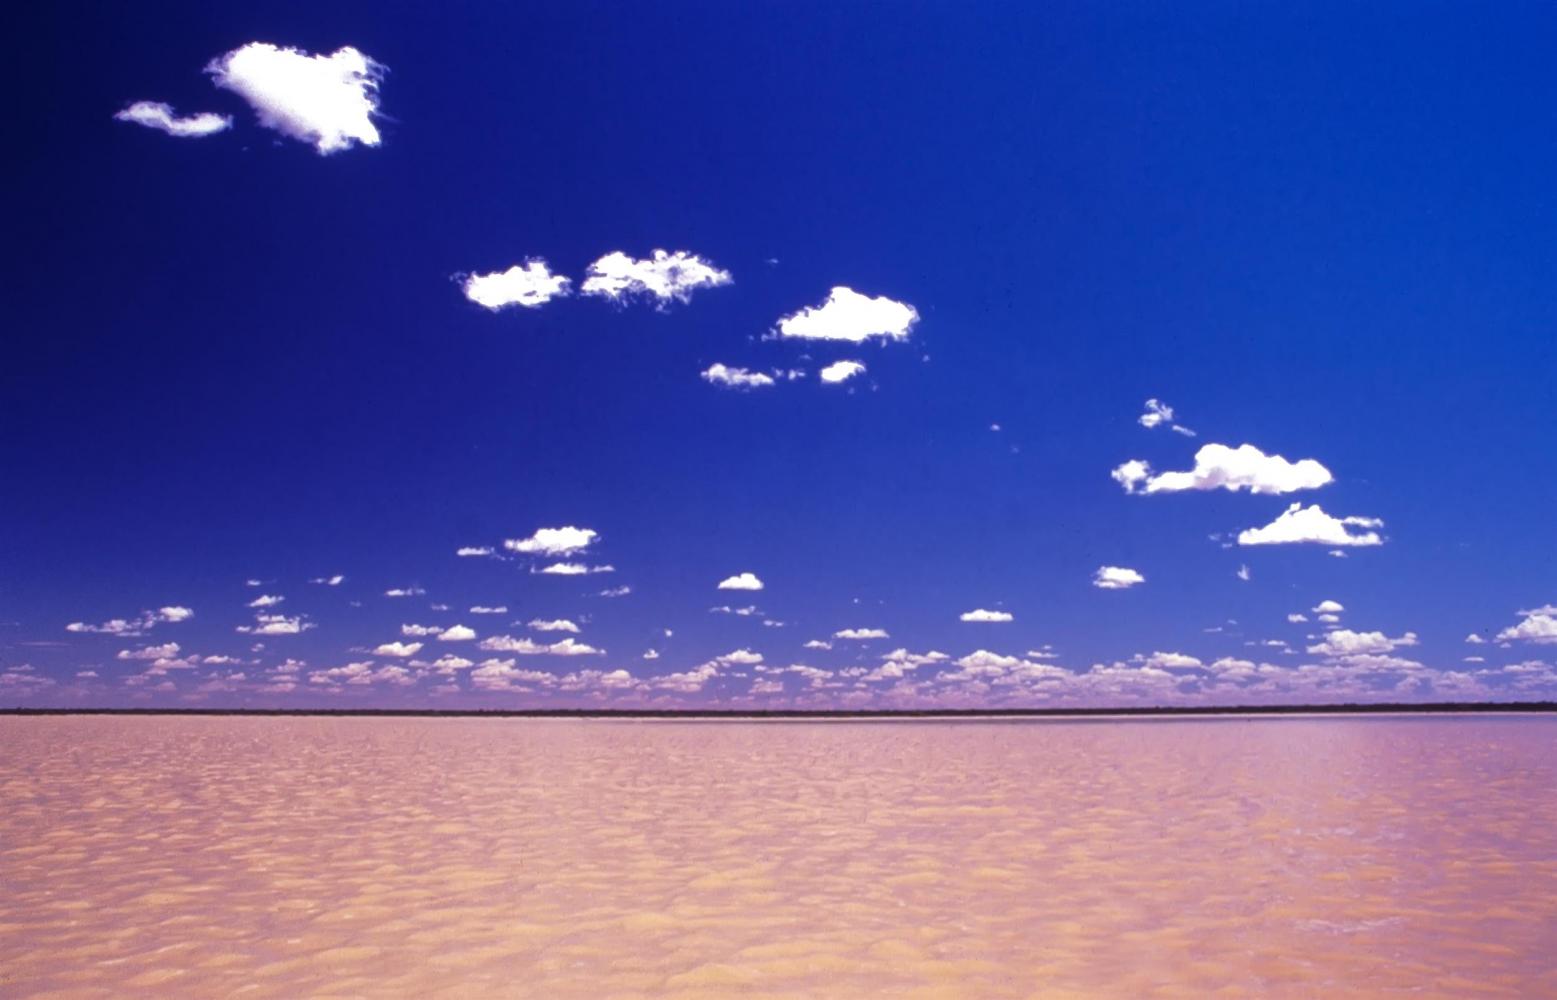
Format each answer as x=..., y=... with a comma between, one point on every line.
x=1329, y=233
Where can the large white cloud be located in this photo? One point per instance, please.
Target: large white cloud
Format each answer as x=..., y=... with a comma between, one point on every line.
x=155, y=114
x=1538, y=626
x=1299, y=524
x=1219, y=467
x=554, y=541
x=397, y=648
x=848, y=315
x=325, y=101
x=530, y=286
x=741, y=581
x=841, y=371
x=861, y=633
x=553, y=625
x=739, y=378
x=529, y=647
x=665, y=277
x=1116, y=578
x=1344, y=642
x=457, y=633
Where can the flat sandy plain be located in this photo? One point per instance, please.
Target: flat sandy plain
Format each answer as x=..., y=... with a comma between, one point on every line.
x=319, y=857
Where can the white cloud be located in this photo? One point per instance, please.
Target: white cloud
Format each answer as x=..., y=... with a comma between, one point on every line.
x=420, y=630
x=1170, y=661
x=457, y=633
x=155, y=114
x=555, y=625
x=134, y=626
x=664, y=277
x=1298, y=524
x=861, y=633
x=329, y=581
x=1475, y=640
x=741, y=581
x=473, y=551
x=818, y=644
x=529, y=647
x=1345, y=642
x=841, y=371
x=1328, y=607
x=1537, y=627
x=167, y=649
x=1219, y=467
x=530, y=286
x=397, y=648
x=1244, y=574
x=276, y=625
x=1116, y=578
x=848, y=315
x=326, y=101
x=266, y=601
x=573, y=569
x=621, y=591
x=981, y=615
x=1160, y=414
x=1297, y=616
x=739, y=378
x=554, y=541
x=411, y=591
x=480, y=609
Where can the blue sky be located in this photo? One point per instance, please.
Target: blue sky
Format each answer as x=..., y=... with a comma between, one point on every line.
x=248, y=354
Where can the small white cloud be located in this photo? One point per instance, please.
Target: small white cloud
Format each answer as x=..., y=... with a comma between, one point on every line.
x=1116, y=578
x=1344, y=642
x=554, y=541
x=329, y=581
x=325, y=101
x=841, y=371
x=1299, y=524
x=555, y=625
x=1328, y=607
x=1297, y=616
x=741, y=581
x=166, y=650
x=401, y=649
x=1474, y=639
x=481, y=609
x=861, y=633
x=981, y=615
x=276, y=625
x=621, y=591
x=473, y=551
x=651, y=654
x=1219, y=467
x=573, y=569
x=457, y=633
x=529, y=647
x=411, y=591
x=266, y=601
x=530, y=286
x=818, y=644
x=1244, y=574
x=737, y=378
x=155, y=114
x=1160, y=414
x=664, y=277
x=135, y=626
x=848, y=315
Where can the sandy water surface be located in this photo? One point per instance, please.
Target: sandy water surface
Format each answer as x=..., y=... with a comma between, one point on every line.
x=254, y=857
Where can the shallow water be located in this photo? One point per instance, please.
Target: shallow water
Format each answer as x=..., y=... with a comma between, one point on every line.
x=264, y=857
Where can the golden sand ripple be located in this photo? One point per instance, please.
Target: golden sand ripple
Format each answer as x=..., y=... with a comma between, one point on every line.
x=469, y=858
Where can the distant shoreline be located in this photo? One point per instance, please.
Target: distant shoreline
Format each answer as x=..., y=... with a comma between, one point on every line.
x=757, y=715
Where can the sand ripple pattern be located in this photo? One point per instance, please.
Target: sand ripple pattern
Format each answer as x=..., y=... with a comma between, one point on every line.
x=254, y=857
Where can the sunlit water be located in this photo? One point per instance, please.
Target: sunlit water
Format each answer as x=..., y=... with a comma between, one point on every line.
x=252, y=857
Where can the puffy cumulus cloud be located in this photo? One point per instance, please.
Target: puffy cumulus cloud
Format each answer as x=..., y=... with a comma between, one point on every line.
x=457, y=633
x=159, y=116
x=1538, y=626
x=553, y=625
x=1343, y=642
x=1219, y=467
x=663, y=277
x=741, y=581
x=818, y=644
x=166, y=650
x=861, y=633
x=1299, y=524
x=448, y=663
x=690, y=681
x=735, y=378
x=1169, y=661
x=137, y=625
x=1297, y=616
x=363, y=673
x=1116, y=578
x=529, y=287
x=573, y=569
x=326, y=101
x=554, y=541
x=266, y=601
x=329, y=581
x=502, y=675
x=397, y=648
x=526, y=646
x=276, y=625
x=848, y=315
x=981, y=615
x=841, y=371
x=1328, y=607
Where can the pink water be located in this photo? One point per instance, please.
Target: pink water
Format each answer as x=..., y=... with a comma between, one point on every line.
x=254, y=857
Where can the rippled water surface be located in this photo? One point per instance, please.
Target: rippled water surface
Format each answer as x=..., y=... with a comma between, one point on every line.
x=307, y=857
